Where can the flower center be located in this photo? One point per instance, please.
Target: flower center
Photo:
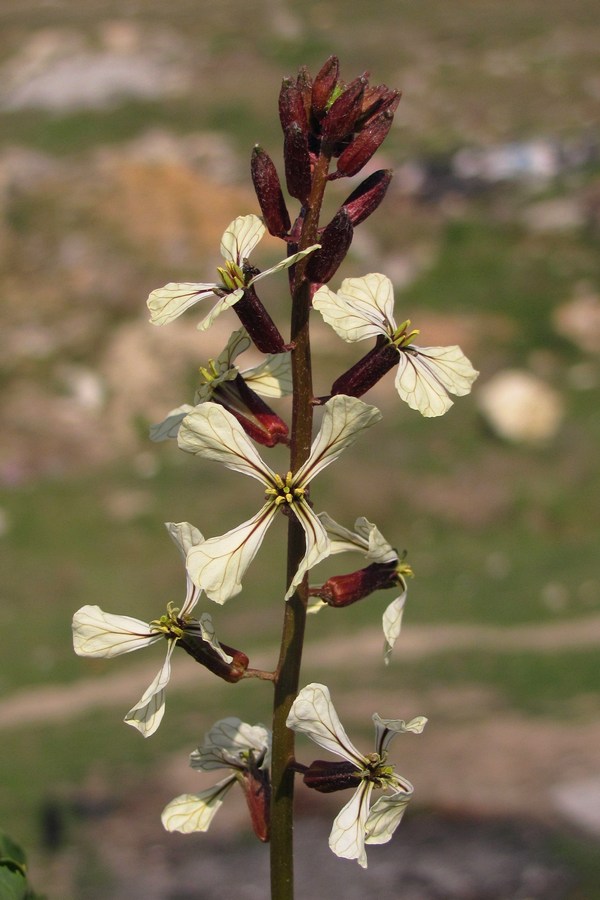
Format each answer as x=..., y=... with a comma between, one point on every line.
x=376, y=771
x=171, y=624
x=210, y=373
x=402, y=336
x=232, y=276
x=283, y=491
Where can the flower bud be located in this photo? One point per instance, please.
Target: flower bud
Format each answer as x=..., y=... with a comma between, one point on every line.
x=340, y=121
x=328, y=776
x=357, y=380
x=257, y=419
x=358, y=153
x=324, y=86
x=376, y=100
x=269, y=193
x=298, y=175
x=368, y=195
x=292, y=108
x=343, y=590
x=335, y=242
x=258, y=323
x=256, y=785
x=207, y=656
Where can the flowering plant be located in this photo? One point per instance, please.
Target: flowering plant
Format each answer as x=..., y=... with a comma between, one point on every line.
x=331, y=130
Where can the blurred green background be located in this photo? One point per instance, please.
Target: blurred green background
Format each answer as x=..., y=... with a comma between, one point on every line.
x=125, y=138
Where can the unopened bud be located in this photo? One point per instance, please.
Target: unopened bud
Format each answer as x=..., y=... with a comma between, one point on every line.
x=368, y=195
x=335, y=242
x=376, y=100
x=323, y=87
x=341, y=119
x=328, y=776
x=207, y=656
x=257, y=419
x=357, y=380
x=256, y=785
x=258, y=323
x=343, y=590
x=298, y=174
x=268, y=191
x=292, y=107
x=360, y=150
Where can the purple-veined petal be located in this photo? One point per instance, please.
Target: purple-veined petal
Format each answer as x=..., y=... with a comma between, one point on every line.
x=392, y=624
x=100, y=634
x=347, y=838
x=238, y=342
x=344, y=418
x=147, y=713
x=284, y=264
x=184, y=536
x=384, y=817
x=272, y=377
x=228, y=744
x=219, y=564
x=207, y=630
x=194, y=812
x=314, y=715
x=362, y=308
x=241, y=237
x=366, y=538
x=317, y=542
x=212, y=432
x=387, y=729
x=426, y=375
x=169, y=426
x=220, y=306
x=169, y=302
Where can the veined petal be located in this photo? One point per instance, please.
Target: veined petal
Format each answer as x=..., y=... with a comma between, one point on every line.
x=366, y=538
x=212, y=432
x=147, y=713
x=184, y=536
x=238, y=342
x=194, y=812
x=222, y=304
x=384, y=817
x=347, y=838
x=362, y=308
x=272, y=377
x=343, y=420
x=219, y=564
x=228, y=744
x=392, y=624
x=387, y=729
x=317, y=543
x=426, y=375
x=207, y=630
x=100, y=634
x=284, y=264
x=241, y=237
x=169, y=302
x=314, y=715
x=169, y=426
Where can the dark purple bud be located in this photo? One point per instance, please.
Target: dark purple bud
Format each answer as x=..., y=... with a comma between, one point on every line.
x=340, y=121
x=377, y=100
x=298, y=175
x=328, y=776
x=258, y=323
x=269, y=193
x=323, y=87
x=335, y=242
x=257, y=419
x=360, y=150
x=256, y=785
x=368, y=370
x=200, y=650
x=368, y=195
x=343, y=590
x=292, y=108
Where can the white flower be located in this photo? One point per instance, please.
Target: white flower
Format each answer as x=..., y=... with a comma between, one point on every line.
x=239, y=240
x=368, y=539
x=358, y=823
x=271, y=378
x=230, y=744
x=218, y=564
x=364, y=308
x=100, y=634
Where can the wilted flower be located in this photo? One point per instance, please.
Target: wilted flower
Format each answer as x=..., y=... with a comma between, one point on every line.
x=100, y=634
x=218, y=564
x=364, y=308
x=238, y=242
x=359, y=823
x=230, y=744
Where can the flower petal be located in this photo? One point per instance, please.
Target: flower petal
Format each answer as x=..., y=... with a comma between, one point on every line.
x=220, y=307
x=426, y=375
x=207, y=630
x=284, y=264
x=384, y=817
x=343, y=420
x=272, y=377
x=212, y=432
x=219, y=564
x=147, y=713
x=347, y=838
x=392, y=623
x=194, y=812
x=387, y=729
x=169, y=426
x=317, y=543
x=169, y=302
x=238, y=342
x=314, y=715
x=228, y=744
x=362, y=308
x=184, y=536
x=366, y=538
x=241, y=237
x=100, y=634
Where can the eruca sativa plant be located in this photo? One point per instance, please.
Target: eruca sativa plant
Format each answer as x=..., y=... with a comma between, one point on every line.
x=331, y=130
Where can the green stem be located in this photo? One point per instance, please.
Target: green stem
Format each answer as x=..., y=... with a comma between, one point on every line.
x=287, y=676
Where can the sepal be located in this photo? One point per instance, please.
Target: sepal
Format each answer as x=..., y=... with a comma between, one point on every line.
x=335, y=243
x=328, y=776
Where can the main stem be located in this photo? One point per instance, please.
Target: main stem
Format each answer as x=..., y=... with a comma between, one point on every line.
x=287, y=675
